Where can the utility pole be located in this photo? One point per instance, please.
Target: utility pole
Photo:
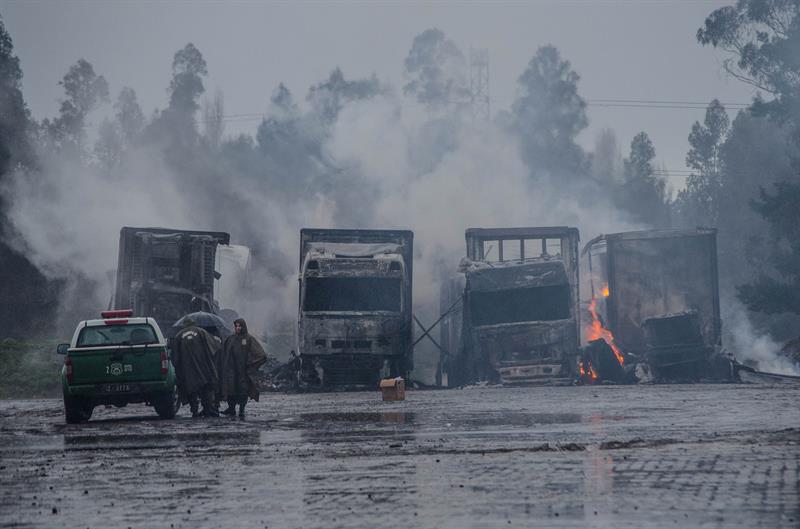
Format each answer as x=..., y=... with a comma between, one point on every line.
x=479, y=84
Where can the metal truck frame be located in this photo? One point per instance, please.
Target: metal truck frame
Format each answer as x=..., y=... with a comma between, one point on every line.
x=512, y=314
x=659, y=297
x=355, y=305
x=164, y=273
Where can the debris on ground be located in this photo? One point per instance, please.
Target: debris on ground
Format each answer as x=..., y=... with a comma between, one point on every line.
x=393, y=389
x=751, y=375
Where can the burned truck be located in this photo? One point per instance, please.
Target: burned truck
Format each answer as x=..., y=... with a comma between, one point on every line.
x=164, y=273
x=355, y=305
x=657, y=293
x=511, y=315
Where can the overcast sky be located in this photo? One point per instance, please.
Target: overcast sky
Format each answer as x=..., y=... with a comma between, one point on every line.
x=623, y=50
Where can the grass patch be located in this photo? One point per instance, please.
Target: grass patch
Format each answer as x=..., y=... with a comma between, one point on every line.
x=29, y=369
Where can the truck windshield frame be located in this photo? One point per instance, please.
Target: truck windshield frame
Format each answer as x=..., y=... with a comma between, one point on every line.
x=353, y=294
x=117, y=335
x=495, y=307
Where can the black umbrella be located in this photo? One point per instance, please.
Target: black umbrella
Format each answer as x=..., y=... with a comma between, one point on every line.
x=208, y=321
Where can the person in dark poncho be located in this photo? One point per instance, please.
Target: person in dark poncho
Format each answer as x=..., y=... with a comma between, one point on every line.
x=195, y=364
x=240, y=357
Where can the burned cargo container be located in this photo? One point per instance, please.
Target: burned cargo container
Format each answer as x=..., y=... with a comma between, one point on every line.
x=355, y=305
x=511, y=314
x=657, y=293
x=165, y=273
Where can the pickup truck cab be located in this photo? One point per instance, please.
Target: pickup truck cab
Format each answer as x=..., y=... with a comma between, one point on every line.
x=117, y=360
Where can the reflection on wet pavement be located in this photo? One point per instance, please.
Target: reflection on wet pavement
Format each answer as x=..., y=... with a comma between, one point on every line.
x=698, y=456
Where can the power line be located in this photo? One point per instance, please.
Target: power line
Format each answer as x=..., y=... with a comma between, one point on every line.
x=602, y=103
x=611, y=103
x=650, y=103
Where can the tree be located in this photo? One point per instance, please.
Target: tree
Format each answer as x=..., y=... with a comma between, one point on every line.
x=549, y=114
x=84, y=90
x=606, y=159
x=643, y=194
x=763, y=36
x=110, y=145
x=755, y=153
x=186, y=86
x=328, y=97
x=15, y=148
x=278, y=132
x=32, y=293
x=129, y=114
x=175, y=129
x=778, y=292
x=213, y=120
x=115, y=137
x=699, y=203
x=435, y=70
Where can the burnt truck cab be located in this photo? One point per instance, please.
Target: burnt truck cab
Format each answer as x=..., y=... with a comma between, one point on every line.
x=355, y=305
x=518, y=319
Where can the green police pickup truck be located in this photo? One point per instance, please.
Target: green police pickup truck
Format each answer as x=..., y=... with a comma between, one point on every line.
x=117, y=360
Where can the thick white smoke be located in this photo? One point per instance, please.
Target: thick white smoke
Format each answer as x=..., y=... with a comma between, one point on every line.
x=750, y=346
x=480, y=180
x=69, y=215
x=436, y=174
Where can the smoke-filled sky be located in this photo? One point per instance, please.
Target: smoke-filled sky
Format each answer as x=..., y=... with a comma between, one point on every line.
x=623, y=50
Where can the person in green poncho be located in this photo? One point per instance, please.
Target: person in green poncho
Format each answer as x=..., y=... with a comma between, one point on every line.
x=196, y=369
x=240, y=358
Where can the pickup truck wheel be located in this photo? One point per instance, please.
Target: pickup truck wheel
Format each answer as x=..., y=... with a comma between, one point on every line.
x=167, y=404
x=76, y=410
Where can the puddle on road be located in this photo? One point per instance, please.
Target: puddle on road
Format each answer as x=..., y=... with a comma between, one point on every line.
x=385, y=417
x=514, y=419
x=93, y=441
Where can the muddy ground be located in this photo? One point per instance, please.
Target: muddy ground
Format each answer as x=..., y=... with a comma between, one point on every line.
x=625, y=457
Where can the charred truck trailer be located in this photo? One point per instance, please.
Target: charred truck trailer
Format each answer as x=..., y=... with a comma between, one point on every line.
x=512, y=314
x=355, y=304
x=657, y=292
x=164, y=273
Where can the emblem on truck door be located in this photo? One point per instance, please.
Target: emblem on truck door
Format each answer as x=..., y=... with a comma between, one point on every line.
x=115, y=369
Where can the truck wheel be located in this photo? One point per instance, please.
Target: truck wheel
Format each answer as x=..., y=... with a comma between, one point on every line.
x=167, y=404
x=76, y=410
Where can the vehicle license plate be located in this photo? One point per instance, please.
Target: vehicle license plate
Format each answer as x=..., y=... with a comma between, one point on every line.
x=116, y=388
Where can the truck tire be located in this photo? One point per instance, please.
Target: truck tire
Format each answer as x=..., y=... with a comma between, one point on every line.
x=167, y=404
x=76, y=410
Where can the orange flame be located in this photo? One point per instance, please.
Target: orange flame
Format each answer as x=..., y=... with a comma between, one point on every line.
x=587, y=372
x=605, y=291
x=597, y=331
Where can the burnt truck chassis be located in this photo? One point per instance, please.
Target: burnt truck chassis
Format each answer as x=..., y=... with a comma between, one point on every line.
x=517, y=321
x=165, y=273
x=352, y=333
x=662, y=303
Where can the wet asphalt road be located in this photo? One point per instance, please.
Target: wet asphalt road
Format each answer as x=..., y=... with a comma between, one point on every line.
x=624, y=457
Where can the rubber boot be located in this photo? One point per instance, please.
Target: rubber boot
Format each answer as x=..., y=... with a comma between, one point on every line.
x=209, y=410
x=193, y=405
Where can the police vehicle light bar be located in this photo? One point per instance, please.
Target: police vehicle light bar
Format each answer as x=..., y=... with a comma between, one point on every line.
x=127, y=313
